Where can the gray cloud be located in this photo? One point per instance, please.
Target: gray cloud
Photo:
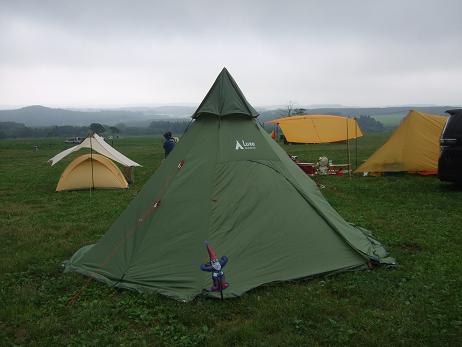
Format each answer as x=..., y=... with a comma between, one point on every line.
x=129, y=52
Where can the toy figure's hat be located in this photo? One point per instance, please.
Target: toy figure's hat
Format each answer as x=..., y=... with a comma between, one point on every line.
x=212, y=254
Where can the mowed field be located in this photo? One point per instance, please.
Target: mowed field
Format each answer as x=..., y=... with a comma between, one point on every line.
x=419, y=302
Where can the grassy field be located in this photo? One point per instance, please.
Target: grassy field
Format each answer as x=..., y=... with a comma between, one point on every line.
x=419, y=302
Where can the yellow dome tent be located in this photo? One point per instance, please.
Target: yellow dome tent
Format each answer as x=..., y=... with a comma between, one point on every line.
x=413, y=146
x=91, y=171
x=78, y=174
x=315, y=128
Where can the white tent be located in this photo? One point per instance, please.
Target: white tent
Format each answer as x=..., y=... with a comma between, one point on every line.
x=97, y=144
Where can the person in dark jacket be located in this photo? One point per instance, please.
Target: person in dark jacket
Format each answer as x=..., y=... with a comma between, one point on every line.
x=169, y=143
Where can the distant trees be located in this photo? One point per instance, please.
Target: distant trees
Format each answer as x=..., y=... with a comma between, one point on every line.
x=370, y=124
x=13, y=129
x=158, y=127
x=18, y=130
x=114, y=130
x=292, y=111
x=97, y=128
x=299, y=111
x=290, y=107
x=161, y=126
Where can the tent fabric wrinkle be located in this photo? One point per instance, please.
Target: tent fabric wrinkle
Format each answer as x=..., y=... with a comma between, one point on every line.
x=239, y=190
x=96, y=143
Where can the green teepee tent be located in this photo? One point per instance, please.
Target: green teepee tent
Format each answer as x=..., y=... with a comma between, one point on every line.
x=229, y=183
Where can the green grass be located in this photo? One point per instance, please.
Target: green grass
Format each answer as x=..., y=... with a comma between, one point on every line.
x=419, y=302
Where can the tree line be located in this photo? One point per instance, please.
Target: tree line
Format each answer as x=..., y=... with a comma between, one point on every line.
x=157, y=127
x=370, y=124
x=20, y=130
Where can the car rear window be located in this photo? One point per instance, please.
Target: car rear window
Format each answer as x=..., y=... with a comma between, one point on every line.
x=453, y=129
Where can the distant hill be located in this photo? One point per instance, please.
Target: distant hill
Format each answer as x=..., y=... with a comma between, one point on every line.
x=40, y=116
x=44, y=116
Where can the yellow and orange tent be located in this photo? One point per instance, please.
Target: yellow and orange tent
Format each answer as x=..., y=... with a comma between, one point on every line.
x=315, y=128
x=94, y=170
x=413, y=146
x=91, y=171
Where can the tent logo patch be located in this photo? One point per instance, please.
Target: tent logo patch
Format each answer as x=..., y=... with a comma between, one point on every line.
x=245, y=145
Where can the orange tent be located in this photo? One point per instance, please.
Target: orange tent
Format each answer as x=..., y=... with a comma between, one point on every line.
x=315, y=128
x=413, y=147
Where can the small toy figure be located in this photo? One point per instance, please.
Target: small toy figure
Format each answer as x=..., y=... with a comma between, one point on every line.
x=215, y=266
x=323, y=166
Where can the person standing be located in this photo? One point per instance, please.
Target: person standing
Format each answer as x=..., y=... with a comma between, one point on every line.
x=169, y=143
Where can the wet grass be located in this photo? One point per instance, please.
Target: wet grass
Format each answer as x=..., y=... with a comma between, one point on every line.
x=419, y=302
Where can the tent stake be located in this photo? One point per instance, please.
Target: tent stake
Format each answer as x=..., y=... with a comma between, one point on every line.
x=221, y=288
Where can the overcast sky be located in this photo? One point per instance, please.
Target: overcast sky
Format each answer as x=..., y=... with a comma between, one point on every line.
x=114, y=53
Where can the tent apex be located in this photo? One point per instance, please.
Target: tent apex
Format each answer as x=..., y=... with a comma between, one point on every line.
x=225, y=99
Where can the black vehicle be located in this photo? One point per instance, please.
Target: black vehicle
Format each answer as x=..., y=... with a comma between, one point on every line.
x=450, y=161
